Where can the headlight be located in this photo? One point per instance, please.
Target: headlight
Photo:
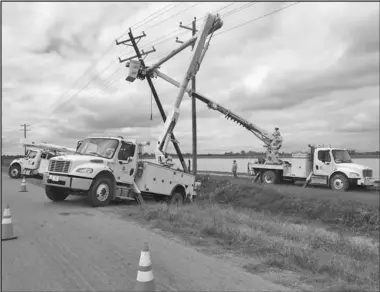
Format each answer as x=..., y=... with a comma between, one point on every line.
x=354, y=174
x=85, y=170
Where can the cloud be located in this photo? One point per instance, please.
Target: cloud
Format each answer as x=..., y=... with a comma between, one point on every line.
x=312, y=69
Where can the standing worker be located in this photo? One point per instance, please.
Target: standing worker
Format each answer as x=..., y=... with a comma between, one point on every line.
x=277, y=141
x=234, y=168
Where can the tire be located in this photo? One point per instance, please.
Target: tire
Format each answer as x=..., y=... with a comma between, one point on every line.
x=101, y=192
x=56, y=194
x=15, y=171
x=339, y=183
x=269, y=177
x=176, y=199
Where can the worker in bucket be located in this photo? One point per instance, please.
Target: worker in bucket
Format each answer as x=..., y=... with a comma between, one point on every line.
x=234, y=168
x=277, y=141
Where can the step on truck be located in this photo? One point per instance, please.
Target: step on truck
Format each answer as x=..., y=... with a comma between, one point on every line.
x=35, y=162
x=324, y=166
x=108, y=169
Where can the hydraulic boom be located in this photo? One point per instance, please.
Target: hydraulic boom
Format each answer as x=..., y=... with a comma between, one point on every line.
x=170, y=123
x=272, y=144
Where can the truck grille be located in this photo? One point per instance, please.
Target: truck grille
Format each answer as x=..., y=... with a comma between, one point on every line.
x=59, y=166
x=367, y=172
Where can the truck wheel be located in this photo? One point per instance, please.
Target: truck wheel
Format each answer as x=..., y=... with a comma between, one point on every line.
x=100, y=193
x=15, y=171
x=56, y=194
x=176, y=199
x=339, y=183
x=269, y=177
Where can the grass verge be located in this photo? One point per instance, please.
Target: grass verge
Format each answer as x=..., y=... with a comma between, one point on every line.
x=259, y=222
x=325, y=258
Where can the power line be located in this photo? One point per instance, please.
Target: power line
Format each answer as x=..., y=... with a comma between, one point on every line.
x=92, y=66
x=154, y=14
x=168, y=36
x=170, y=17
x=255, y=19
x=238, y=9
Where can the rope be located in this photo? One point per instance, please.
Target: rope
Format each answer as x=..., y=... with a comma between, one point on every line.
x=151, y=110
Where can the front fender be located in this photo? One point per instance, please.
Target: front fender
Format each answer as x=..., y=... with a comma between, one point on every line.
x=346, y=172
x=16, y=161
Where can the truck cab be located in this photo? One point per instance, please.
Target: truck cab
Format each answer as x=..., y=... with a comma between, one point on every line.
x=334, y=166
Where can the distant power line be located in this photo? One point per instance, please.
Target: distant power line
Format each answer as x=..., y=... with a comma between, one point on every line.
x=257, y=18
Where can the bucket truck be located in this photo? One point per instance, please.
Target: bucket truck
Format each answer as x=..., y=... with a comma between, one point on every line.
x=36, y=160
x=111, y=168
x=326, y=166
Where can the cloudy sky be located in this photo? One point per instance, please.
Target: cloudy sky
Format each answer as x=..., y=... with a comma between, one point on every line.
x=311, y=69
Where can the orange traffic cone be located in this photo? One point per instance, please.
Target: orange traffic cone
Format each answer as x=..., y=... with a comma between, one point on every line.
x=23, y=185
x=6, y=225
x=145, y=279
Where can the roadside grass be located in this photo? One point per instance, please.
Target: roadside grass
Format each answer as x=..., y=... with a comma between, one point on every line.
x=260, y=222
x=324, y=257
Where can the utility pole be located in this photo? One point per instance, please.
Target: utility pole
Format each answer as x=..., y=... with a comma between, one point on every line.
x=139, y=56
x=25, y=130
x=193, y=99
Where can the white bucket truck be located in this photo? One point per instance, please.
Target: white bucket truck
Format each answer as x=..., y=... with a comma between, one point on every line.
x=36, y=160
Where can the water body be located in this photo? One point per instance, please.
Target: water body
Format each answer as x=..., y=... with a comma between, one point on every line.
x=225, y=164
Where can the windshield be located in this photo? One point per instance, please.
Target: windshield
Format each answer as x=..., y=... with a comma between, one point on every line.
x=31, y=154
x=98, y=147
x=341, y=156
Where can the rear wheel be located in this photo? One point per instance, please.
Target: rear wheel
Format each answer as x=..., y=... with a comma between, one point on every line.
x=56, y=194
x=100, y=193
x=340, y=183
x=176, y=199
x=15, y=171
x=269, y=177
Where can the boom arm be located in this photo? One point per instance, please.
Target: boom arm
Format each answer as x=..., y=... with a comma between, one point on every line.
x=258, y=132
x=161, y=149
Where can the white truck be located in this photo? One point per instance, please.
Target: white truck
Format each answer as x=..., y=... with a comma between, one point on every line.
x=109, y=168
x=36, y=160
x=326, y=166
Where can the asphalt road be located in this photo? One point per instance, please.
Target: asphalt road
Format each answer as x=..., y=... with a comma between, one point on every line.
x=70, y=246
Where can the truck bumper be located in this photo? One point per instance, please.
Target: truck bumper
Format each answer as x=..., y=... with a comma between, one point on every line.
x=366, y=182
x=64, y=181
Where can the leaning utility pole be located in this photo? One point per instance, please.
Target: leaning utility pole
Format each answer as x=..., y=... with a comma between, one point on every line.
x=138, y=70
x=25, y=130
x=143, y=67
x=193, y=100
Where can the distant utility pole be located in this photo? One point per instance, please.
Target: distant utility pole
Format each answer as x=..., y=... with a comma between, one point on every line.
x=193, y=100
x=25, y=130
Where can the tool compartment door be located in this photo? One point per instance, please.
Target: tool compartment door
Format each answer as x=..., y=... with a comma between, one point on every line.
x=156, y=179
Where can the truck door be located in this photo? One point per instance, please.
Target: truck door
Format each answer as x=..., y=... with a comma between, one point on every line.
x=31, y=161
x=323, y=164
x=126, y=165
